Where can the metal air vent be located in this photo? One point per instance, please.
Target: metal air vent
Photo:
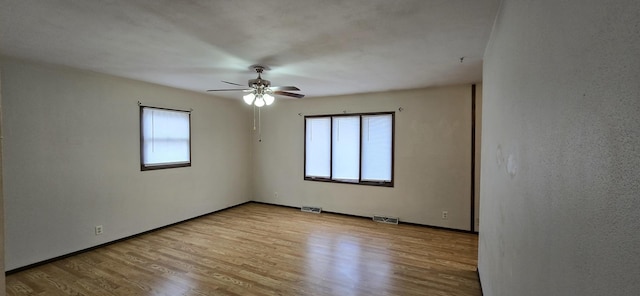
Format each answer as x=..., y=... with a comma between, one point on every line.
x=309, y=209
x=385, y=219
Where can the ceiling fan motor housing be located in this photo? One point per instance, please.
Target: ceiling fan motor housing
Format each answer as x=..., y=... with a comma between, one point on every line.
x=259, y=82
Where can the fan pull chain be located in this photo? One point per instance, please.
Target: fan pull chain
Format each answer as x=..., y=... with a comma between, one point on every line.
x=259, y=126
x=254, y=117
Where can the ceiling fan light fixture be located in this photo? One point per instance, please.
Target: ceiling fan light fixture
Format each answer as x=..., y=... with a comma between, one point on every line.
x=249, y=98
x=268, y=99
x=260, y=92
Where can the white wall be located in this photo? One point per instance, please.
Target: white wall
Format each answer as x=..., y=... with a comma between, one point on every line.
x=560, y=189
x=432, y=157
x=71, y=160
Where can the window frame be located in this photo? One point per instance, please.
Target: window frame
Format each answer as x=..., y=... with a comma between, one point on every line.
x=360, y=181
x=144, y=167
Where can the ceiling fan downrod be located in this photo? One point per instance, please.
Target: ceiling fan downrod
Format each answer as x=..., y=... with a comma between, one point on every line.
x=259, y=82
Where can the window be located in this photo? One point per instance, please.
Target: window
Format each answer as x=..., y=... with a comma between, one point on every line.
x=350, y=148
x=318, y=147
x=165, y=138
x=345, y=148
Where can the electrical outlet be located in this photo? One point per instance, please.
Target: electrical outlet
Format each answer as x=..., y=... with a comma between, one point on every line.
x=99, y=230
x=445, y=215
x=275, y=194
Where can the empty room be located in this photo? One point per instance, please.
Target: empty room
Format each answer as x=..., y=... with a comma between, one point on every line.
x=284, y=147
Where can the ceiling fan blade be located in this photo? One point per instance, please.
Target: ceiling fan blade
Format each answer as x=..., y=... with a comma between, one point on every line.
x=288, y=94
x=284, y=88
x=232, y=83
x=231, y=89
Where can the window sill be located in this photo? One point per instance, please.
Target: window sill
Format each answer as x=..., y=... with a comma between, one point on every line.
x=367, y=183
x=164, y=166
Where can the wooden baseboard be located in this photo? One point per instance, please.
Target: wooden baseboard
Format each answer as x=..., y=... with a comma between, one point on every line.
x=401, y=222
x=12, y=271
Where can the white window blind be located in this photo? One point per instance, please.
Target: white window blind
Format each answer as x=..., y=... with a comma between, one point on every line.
x=346, y=148
x=351, y=148
x=318, y=147
x=165, y=137
x=377, y=143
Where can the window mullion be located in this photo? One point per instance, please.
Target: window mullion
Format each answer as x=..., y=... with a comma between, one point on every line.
x=360, y=153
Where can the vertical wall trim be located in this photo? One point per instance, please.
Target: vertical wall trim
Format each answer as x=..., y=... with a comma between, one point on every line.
x=2, y=276
x=473, y=157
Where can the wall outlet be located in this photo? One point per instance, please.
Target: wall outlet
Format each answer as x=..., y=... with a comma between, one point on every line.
x=275, y=194
x=445, y=215
x=99, y=230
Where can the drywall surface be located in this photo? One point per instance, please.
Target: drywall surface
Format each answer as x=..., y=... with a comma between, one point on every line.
x=560, y=203
x=432, y=157
x=72, y=160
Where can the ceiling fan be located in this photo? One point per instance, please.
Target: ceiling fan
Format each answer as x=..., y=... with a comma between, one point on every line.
x=260, y=91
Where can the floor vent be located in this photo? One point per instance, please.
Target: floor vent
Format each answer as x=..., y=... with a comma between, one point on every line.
x=308, y=209
x=384, y=219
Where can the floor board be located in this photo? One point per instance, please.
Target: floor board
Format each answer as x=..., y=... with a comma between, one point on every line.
x=258, y=249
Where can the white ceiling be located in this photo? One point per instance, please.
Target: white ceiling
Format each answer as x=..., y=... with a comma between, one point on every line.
x=325, y=47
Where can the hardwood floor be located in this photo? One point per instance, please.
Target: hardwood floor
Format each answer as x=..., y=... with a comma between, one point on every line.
x=257, y=249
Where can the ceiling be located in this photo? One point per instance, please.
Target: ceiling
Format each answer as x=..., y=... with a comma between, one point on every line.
x=329, y=47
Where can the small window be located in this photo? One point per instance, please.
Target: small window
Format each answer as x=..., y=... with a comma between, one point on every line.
x=350, y=148
x=165, y=138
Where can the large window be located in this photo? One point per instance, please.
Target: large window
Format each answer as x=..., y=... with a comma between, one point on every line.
x=350, y=148
x=165, y=138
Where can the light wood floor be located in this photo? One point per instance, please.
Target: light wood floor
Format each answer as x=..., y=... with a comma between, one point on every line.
x=257, y=249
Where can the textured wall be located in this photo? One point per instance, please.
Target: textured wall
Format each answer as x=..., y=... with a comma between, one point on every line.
x=71, y=151
x=560, y=189
x=432, y=157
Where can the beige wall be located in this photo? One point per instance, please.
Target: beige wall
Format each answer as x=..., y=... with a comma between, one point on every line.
x=432, y=157
x=560, y=203
x=71, y=160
